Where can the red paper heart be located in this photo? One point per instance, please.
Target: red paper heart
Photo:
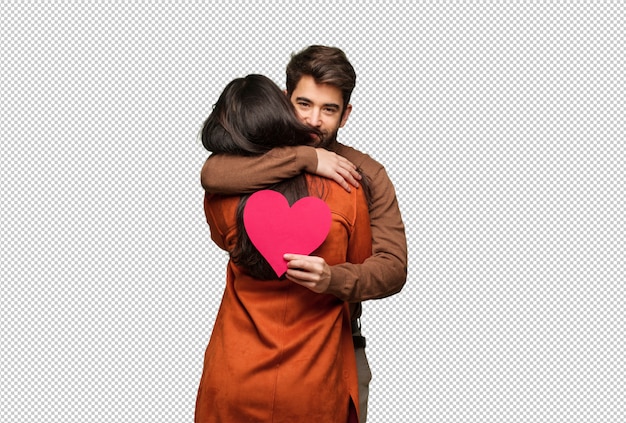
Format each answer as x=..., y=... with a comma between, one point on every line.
x=275, y=228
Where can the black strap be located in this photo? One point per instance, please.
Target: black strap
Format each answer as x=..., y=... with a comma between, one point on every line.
x=358, y=341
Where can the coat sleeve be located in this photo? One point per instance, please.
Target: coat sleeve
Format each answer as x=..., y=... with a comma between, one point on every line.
x=231, y=174
x=215, y=221
x=385, y=272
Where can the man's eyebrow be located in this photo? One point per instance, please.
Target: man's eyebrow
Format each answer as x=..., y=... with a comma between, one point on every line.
x=306, y=100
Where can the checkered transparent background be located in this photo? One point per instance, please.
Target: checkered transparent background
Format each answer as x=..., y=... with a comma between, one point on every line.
x=500, y=123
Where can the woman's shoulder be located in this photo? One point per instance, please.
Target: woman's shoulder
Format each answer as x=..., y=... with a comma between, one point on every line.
x=336, y=197
x=220, y=202
x=221, y=211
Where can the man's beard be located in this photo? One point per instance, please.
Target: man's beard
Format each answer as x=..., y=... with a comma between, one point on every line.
x=326, y=140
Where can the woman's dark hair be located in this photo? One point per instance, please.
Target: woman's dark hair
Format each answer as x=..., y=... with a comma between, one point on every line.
x=252, y=116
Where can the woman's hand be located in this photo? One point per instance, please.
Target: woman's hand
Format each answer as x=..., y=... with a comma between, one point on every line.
x=333, y=166
x=309, y=271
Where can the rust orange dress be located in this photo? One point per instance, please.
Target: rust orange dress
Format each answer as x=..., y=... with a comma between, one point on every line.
x=280, y=352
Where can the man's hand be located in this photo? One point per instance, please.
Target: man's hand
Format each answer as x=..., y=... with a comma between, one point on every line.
x=333, y=166
x=309, y=271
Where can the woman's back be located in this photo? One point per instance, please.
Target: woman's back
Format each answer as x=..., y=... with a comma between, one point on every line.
x=280, y=352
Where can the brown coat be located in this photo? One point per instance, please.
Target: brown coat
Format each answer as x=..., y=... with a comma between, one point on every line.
x=381, y=275
x=280, y=352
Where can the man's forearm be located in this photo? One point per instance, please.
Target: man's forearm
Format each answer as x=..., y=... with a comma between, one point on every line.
x=385, y=272
x=231, y=174
x=381, y=275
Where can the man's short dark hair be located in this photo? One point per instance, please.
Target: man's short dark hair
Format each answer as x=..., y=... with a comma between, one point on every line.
x=327, y=65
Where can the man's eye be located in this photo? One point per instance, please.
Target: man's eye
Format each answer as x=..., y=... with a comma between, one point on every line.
x=303, y=104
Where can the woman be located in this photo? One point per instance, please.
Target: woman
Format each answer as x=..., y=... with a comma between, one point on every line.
x=279, y=352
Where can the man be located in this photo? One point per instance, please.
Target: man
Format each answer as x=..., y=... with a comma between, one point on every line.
x=320, y=81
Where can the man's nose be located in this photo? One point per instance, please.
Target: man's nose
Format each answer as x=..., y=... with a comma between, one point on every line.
x=315, y=118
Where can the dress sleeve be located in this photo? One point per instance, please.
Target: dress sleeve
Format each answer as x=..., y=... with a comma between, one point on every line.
x=384, y=273
x=216, y=221
x=232, y=174
x=360, y=239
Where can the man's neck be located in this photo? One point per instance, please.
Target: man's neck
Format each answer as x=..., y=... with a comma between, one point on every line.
x=333, y=146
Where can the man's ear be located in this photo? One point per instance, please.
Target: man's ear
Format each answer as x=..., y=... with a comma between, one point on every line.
x=346, y=115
